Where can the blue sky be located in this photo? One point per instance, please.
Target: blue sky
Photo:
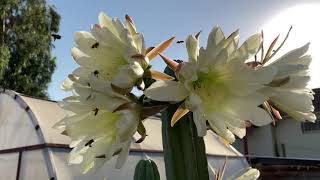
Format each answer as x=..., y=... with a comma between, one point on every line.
x=161, y=19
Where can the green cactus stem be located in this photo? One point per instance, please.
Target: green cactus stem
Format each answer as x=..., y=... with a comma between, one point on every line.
x=146, y=169
x=184, y=152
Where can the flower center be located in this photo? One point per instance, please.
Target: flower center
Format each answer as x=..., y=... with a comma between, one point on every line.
x=211, y=89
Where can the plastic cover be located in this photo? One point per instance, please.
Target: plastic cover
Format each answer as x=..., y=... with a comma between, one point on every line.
x=16, y=127
x=72, y=172
x=47, y=113
x=8, y=166
x=33, y=166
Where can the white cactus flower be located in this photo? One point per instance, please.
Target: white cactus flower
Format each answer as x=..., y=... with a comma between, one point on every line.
x=97, y=132
x=217, y=86
x=288, y=90
x=115, y=51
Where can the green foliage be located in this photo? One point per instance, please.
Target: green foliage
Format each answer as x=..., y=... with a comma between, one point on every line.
x=26, y=30
x=184, y=151
x=146, y=169
x=4, y=59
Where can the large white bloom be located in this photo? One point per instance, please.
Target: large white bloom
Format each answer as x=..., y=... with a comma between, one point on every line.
x=114, y=51
x=288, y=91
x=97, y=132
x=217, y=86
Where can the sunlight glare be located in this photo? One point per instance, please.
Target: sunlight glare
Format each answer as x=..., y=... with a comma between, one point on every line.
x=306, y=28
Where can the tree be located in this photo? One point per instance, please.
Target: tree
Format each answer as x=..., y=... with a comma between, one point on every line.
x=26, y=62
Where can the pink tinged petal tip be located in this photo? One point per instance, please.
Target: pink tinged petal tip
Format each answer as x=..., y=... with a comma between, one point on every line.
x=170, y=63
x=159, y=49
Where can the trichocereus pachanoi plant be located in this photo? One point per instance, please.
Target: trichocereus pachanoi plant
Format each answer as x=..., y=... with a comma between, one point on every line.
x=218, y=88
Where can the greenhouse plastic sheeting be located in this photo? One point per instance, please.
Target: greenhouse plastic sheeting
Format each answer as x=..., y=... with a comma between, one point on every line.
x=67, y=172
x=47, y=114
x=16, y=127
x=34, y=165
x=8, y=166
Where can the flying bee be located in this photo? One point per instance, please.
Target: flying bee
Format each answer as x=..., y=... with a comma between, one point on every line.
x=55, y=36
x=89, y=143
x=96, y=110
x=96, y=73
x=179, y=42
x=95, y=45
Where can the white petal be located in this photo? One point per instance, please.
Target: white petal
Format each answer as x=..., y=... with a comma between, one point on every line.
x=200, y=122
x=128, y=76
x=81, y=58
x=67, y=85
x=106, y=21
x=193, y=102
x=292, y=57
x=297, y=82
x=192, y=47
x=298, y=100
x=215, y=37
x=248, y=48
x=127, y=124
x=218, y=125
x=73, y=104
x=166, y=91
x=188, y=71
x=84, y=40
x=82, y=72
x=239, y=131
x=123, y=156
x=139, y=43
x=259, y=117
x=250, y=174
x=242, y=80
x=75, y=156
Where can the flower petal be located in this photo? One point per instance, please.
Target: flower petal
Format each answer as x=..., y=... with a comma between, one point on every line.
x=192, y=47
x=249, y=48
x=180, y=112
x=123, y=156
x=200, y=122
x=159, y=49
x=166, y=91
x=127, y=76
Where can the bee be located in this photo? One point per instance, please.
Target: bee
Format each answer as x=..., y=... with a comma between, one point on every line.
x=89, y=143
x=55, y=36
x=96, y=110
x=90, y=96
x=96, y=73
x=179, y=42
x=95, y=45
